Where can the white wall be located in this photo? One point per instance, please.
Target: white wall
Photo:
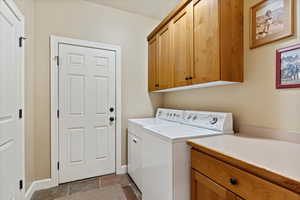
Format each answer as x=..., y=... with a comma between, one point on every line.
x=88, y=21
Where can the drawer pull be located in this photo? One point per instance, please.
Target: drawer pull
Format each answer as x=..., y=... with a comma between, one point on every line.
x=233, y=181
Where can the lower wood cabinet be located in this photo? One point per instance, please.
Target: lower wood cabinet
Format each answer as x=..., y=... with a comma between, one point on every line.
x=205, y=189
x=213, y=179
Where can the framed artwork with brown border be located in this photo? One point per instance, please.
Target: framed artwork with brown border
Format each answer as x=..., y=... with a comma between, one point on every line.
x=271, y=20
x=288, y=67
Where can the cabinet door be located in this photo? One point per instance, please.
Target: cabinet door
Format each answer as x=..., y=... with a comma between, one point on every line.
x=152, y=65
x=165, y=69
x=205, y=189
x=206, y=42
x=182, y=46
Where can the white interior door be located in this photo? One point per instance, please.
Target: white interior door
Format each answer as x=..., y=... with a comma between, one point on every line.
x=10, y=103
x=86, y=121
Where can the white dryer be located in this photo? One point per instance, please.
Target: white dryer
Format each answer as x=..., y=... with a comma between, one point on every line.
x=164, y=117
x=166, y=156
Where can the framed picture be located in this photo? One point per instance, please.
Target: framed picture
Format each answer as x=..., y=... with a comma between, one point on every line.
x=271, y=20
x=288, y=67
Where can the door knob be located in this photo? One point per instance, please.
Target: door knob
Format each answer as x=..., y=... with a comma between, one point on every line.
x=111, y=109
x=111, y=119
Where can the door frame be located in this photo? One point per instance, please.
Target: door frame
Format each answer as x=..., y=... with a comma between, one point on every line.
x=54, y=43
x=20, y=17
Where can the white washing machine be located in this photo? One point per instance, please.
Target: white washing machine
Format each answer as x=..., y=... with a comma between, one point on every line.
x=164, y=156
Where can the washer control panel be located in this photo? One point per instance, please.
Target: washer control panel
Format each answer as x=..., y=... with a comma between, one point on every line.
x=170, y=115
x=209, y=120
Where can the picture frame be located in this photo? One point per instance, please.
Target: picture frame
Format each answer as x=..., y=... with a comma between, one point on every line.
x=288, y=67
x=271, y=20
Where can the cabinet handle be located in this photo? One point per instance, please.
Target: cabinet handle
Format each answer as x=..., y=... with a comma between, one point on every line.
x=156, y=85
x=233, y=181
x=186, y=78
x=134, y=140
x=190, y=78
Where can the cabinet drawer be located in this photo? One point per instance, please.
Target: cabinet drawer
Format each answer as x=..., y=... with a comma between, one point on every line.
x=238, y=181
x=205, y=189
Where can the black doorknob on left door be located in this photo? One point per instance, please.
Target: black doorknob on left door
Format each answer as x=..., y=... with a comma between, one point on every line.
x=111, y=109
x=111, y=119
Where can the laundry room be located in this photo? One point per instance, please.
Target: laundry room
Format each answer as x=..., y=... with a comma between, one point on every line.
x=149, y=100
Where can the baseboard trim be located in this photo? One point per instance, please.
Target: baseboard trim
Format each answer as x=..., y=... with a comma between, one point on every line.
x=122, y=170
x=38, y=185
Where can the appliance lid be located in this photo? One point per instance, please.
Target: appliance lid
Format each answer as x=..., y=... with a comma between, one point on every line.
x=150, y=122
x=181, y=131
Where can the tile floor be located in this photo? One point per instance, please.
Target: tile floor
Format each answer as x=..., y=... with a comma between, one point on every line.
x=68, y=190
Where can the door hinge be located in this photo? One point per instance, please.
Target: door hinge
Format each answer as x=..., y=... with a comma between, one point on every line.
x=58, y=166
x=57, y=113
x=57, y=60
x=21, y=39
x=20, y=114
x=21, y=184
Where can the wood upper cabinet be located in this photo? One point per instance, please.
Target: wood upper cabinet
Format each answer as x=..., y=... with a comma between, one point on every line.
x=218, y=41
x=152, y=65
x=200, y=41
x=165, y=69
x=205, y=189
x=206, y=42
x=232, y=40
x=182, y=46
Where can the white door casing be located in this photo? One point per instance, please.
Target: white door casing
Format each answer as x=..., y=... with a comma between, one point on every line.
x=86, y=94
x=11, y=101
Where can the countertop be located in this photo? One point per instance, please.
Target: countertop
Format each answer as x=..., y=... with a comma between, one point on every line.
x=273, y=160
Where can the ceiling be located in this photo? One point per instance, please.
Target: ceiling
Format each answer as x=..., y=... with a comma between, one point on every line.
x=156, y=9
